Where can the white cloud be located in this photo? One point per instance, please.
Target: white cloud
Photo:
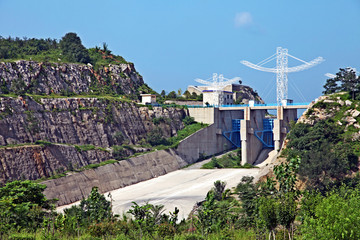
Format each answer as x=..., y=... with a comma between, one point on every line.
x=243, y=19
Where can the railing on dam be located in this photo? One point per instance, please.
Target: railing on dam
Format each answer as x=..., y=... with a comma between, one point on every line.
x=247, y=105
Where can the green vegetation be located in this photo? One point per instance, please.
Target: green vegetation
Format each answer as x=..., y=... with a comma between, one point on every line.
x=21, y=206
x=345, y=81
x=188, y=120
x=229, y=160
x=73, y=50
x=173, y=142
x=333, y=216
x=69, y=50
x=271, y=209
x=327, y=154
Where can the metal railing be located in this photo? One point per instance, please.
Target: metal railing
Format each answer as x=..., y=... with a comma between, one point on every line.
x=247, y=105
x=233, y=105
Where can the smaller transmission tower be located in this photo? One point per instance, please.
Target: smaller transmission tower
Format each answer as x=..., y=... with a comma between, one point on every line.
x=282, y=70
x=217, y=85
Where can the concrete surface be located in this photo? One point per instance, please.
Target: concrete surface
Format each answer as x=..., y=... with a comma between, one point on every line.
x=77, y=186
x=181, y=188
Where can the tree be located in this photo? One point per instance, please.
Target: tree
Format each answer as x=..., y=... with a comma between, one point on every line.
x=172, y=95
x=345, y=80
x=96, y=207
x=188, y=120
x=194, y=95
x=22, y=204
x=286, y=175
x=187, y=94
x=106, y=49
x=93, y=209
x=248, y=196
x=267, y=214
x=324, y=155
x=219, y=190
x=331, y=86
x=163, y=94
x=73, y=49
x=286, y=211
x=349, y=81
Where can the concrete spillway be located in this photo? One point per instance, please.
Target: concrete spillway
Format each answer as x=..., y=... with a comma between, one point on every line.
x=181, y=189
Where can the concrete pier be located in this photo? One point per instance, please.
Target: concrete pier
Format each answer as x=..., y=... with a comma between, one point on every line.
x=251, y=121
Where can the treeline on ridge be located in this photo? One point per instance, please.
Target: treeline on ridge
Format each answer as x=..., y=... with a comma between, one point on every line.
x=68, y=49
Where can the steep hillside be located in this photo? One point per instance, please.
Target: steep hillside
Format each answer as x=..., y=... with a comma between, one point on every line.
x=326, y=138
x=56, y=117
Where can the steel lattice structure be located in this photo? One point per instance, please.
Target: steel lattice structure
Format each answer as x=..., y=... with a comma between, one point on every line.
x=282, y=70
x=217, y=85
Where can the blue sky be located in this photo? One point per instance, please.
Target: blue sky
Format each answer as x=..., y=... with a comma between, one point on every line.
x=174, y=42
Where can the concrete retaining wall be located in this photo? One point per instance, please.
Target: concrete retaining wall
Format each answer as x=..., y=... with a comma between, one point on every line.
x=77, y=186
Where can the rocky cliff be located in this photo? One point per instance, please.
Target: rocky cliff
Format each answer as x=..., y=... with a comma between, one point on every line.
x=344, y=112
x=62, y=78
x=98, y=121
x=42, y=135
x=70, y=125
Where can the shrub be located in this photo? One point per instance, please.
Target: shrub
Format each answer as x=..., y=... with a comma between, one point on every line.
x=119, y=152
x=188, y=120
x=335, y=217
x=165, y=230
x=155, y=137
x=119, y=137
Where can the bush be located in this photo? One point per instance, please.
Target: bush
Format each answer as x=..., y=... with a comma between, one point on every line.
x=188, y=120
x=165, y=230
x=93, y=209
x=335, y=217
x=87, y=147
x=119, y=137
x=22, y=236
x=155, y=137
x=119, y=152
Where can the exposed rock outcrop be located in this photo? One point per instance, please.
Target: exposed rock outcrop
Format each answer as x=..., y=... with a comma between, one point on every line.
x=346, y=113
x=62, y=78
x=81, y=121
x=97, y=122
x=36, y=161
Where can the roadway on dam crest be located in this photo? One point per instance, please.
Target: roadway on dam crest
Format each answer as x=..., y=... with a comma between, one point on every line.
x=181, y=189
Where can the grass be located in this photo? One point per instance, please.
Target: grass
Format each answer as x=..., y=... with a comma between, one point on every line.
x=239, y=234
x=96, y=165
x=229, y=160
x=18, y=145
x=174, y=141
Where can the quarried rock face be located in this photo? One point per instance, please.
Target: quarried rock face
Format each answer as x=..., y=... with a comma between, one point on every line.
x=62, y=128
x=36, y=161
x=95, y=121
x=61, y=78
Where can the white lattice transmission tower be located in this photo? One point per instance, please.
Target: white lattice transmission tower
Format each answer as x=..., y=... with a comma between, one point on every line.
x=282, y=70
x=217, y=83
